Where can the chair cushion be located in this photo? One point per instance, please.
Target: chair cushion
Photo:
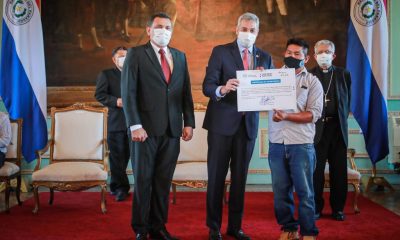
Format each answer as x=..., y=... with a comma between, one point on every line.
x=78, y=139
x=351, y=173
x=8, y=169
x=71, y=172
x=194, y=171
x=196, y=148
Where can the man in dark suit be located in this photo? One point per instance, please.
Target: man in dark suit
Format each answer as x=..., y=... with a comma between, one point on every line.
x=331, y=139
x=231, y=134
x=108, y=93
x=157, y=96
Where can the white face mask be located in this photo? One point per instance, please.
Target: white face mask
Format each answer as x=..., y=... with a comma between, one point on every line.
x=324, y=59
x=161, y=36
x=246, y=39
x=120, y=62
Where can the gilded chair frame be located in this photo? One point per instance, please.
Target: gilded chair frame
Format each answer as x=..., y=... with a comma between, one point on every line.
x=197, y=184
x=72, y=185
x=17, y=161
x=356, y=183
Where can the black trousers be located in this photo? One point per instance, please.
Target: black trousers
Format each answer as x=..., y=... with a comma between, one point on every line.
x=226, y=152
x=118, y=143
x=154, y=166
x=331, y=148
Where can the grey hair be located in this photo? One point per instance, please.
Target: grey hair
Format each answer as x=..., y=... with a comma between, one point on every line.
x=250, y=17
x=324, y=42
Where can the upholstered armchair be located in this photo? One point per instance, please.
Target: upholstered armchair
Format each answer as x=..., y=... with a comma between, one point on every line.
x=353, y=177
x=191, y=169
x=12, y=165
x=78, y=153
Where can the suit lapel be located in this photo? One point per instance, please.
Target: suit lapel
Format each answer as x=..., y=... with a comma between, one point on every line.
x=236, y=56
x=153, y=58
x=257, y=61
x=175, y=63
x=336, y=85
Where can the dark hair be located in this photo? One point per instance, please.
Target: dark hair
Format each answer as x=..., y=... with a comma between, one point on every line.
x=115, y=50
x=299, y=42
x=157, y=15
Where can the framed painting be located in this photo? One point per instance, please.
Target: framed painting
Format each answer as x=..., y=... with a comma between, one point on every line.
x=80, y=34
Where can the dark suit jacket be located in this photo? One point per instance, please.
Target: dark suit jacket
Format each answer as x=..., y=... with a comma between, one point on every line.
x=343, y=96
x=108, y=90
x=222, y=116
x=149, y=100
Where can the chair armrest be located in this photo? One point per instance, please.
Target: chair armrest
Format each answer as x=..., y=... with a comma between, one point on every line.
x=351, y=152
x=191, y=161
x=40, y=152
x=106, y=154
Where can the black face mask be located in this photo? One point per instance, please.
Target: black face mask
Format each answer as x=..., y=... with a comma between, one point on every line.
x=292, y=62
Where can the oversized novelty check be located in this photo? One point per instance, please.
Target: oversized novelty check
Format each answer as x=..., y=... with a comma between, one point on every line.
x=264, y=90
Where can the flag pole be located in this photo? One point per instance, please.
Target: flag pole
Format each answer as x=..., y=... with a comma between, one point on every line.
x=378, y=181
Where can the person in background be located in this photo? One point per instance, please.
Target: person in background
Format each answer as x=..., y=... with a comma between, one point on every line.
x=231, y=134
x=108, y=93
x=5, y=136
x=291, y=153
x=331, y=139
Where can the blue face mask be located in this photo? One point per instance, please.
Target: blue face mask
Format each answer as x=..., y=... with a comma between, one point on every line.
x=292, y=62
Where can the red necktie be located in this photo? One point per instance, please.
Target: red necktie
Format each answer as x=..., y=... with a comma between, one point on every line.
x=165, y=66
x=246, y=59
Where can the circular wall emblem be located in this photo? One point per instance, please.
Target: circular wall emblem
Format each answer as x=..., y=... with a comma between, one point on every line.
x=19, y=12
x=367, y=12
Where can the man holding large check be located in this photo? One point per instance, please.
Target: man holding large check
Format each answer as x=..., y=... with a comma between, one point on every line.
x=291, y=153
x=231, y=134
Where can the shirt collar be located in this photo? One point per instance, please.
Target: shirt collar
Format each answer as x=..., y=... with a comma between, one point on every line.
x=157, y=49
x=242, y=48
x=303, y=71
x=327, y=70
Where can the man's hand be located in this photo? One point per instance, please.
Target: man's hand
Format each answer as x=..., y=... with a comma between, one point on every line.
x=231, y=85
x=279, y=115
x=187, y=133
x=139, y=135
x=119, y=102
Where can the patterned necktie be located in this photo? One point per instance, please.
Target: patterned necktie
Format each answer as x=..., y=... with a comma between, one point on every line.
x=165, y=66
x=246, y=59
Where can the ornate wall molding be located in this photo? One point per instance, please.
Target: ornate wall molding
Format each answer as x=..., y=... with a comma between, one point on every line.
x=259, y=171
x=394, y=114
x=263, y=142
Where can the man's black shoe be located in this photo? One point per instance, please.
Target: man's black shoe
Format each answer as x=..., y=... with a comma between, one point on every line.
x=338, y=216
x=239, y=234
x=214, y=235
x=120, y=196
x=141, y=236
x=163, y=234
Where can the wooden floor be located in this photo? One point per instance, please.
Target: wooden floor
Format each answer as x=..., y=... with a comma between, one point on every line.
x=386, y=198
